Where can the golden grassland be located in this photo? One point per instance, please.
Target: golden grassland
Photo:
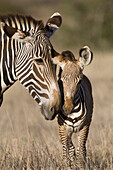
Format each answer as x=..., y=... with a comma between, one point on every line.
x=27, y=141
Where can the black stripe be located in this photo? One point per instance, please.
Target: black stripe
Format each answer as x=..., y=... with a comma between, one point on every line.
x=31, y=76
x=1, y=99
x=10, y=49
x=82, y=98
x=11, y=66
x=81, y=94
x=30, y=85
x=9, y=21
x=40, y=94
x=5, y=77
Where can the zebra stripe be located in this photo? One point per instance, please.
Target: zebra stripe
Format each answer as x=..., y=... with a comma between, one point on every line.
x=78, y=113
x=77, y=105
x=77, y=121
x=26, y=54
x=9, y=46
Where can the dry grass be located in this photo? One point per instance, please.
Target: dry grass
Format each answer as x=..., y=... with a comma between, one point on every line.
x=27, y=141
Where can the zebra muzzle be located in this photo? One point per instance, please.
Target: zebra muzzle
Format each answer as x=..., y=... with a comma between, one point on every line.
x=68, y=106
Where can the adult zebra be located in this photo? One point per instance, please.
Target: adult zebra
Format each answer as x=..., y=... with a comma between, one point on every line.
x=77, y=104
x=25, y=55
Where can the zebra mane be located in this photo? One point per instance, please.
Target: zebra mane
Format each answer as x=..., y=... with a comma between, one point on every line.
x=24, y=23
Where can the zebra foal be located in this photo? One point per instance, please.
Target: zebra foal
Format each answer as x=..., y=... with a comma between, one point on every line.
x=77, y=108
x=25, y=55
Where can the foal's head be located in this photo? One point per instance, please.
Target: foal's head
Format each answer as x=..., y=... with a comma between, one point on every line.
x=72, y=72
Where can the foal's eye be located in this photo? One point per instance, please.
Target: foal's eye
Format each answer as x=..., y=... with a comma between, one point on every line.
x=39, y=61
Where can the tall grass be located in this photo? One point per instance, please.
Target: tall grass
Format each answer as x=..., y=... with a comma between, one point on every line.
x=28, y=141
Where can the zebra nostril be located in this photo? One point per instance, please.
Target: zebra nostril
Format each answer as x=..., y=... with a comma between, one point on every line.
x=52, y=109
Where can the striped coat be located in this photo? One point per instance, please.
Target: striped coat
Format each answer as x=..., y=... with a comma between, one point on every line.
x=77, y=105
x=25, y=55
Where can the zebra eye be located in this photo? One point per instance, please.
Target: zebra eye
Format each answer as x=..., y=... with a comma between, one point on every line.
x=39, y=61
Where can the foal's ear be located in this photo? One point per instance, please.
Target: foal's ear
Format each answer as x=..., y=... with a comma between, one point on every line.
x=63, y=58
x=14, y=33
x=57, y=58
x=53, y=23
x=85, y=56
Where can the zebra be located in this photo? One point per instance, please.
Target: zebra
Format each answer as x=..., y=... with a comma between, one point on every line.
x=25, y=55
x=77, y=105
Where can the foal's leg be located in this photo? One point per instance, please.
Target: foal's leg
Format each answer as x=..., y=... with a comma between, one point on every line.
x=81, y=149
x=68, y=147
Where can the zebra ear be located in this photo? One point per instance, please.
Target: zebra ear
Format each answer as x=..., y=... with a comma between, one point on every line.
x=14, y=33
x=85, y=56
x=53, y=23
x=58, y=59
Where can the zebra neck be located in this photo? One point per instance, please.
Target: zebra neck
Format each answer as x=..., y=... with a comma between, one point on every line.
x=78, y=101
x=7, y=62
x=78, y=113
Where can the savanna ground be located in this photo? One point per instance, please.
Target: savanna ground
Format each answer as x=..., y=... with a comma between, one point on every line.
x=27, y=141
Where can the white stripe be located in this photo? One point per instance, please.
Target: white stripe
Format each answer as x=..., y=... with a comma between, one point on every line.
x=34, y=82
x=30, y=72
x=21, y=59
x=41, y=91
x=22, y=66
x=76, y=107
x=68, y=123
x=3, y=85
x=78, y=123
x=27, y=67
x=55, y=14
x=8, y=75
x=13, y=24
x=76, y=114
x=7, y=22
x=54, y=26
x=17, y=22
x=31, y=24
x=42, y=99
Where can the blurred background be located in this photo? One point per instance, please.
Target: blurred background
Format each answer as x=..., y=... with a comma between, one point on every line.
x=27, y=140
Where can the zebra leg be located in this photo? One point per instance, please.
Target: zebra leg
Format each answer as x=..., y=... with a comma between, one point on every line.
x=71, y=149
x=68, y=147
x=81, y=148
